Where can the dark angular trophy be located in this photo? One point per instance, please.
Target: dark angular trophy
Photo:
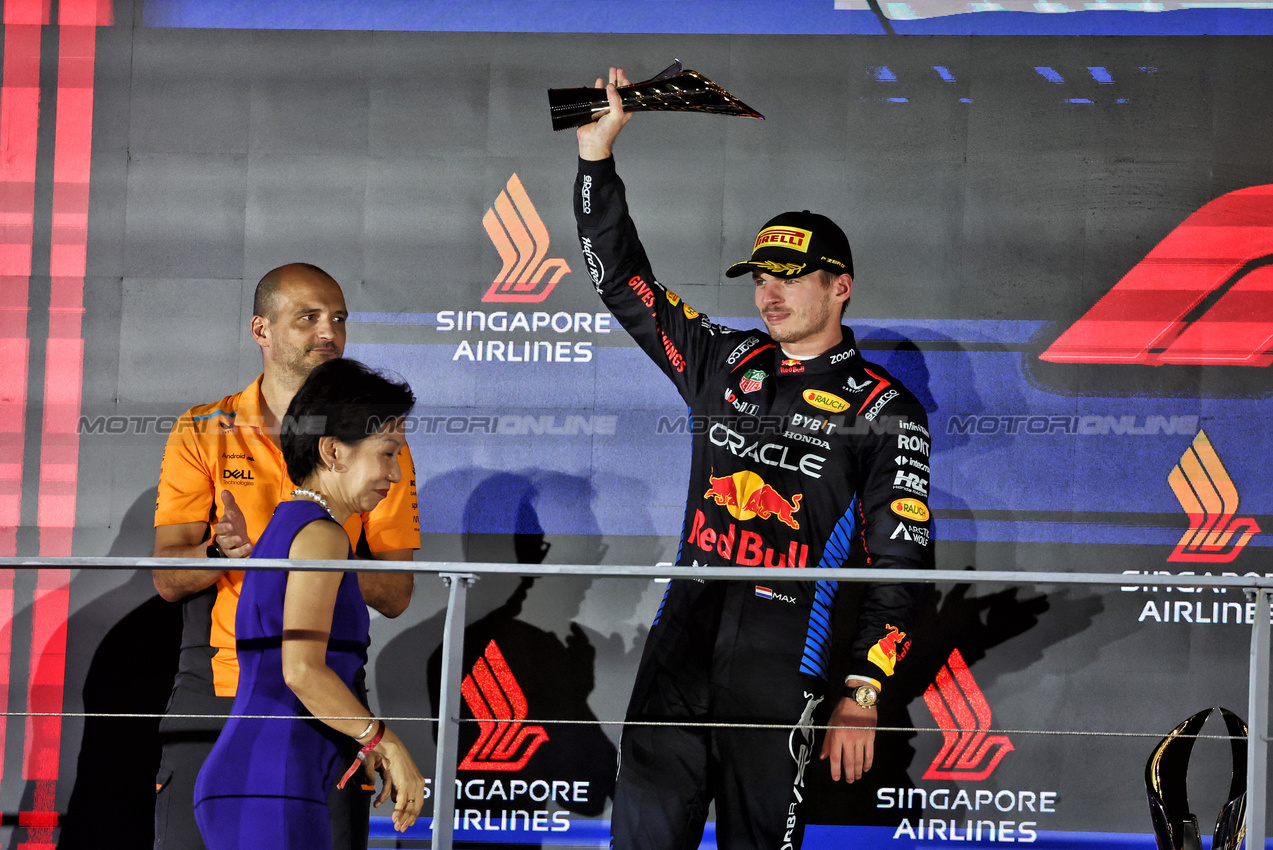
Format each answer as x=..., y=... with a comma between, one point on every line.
x=672, y=90
x=1175, y=827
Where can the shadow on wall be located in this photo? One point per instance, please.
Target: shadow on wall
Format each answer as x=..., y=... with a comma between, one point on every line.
x=131, y=672
x=527, y=659
x=961, y=617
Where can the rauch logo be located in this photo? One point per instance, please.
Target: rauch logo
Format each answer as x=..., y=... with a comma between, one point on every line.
x=962, y=713
x=1202, y=296
x=497, y=701
x=1208, y=495
x=521, y=239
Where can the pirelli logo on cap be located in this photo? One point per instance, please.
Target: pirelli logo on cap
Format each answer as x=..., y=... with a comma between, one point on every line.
x=794, y=238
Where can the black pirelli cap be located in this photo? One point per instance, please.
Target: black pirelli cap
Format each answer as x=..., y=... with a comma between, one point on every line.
x=796, y=243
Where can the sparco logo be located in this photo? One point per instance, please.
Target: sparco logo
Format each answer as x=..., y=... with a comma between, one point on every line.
x=520, y=237
x=743, y=347
x=963, y=715
x=499, y=705
x=585, y=194
x=883, y=400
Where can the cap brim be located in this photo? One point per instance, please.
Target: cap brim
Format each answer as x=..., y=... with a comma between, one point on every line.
x=782, y=270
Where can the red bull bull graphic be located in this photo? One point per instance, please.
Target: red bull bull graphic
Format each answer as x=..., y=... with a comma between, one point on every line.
x=962, y=713
x=1209, y=497
x=744, y=548
x=791, y=366
x=497, y=701
x=746, y=495
x=889, y=649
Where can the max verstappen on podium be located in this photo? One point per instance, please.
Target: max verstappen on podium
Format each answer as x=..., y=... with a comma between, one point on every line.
x=840, y=454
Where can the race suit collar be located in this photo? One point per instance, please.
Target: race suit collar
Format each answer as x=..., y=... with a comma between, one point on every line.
x=832, y=357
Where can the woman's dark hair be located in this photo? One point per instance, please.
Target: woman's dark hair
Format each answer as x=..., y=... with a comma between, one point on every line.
x=343, y=399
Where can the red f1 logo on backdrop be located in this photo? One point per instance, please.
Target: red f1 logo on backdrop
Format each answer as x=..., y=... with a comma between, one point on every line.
x=497, y=701
x=1202, y=296
x=963, y=715
x=521, y=239
x=1208, y=495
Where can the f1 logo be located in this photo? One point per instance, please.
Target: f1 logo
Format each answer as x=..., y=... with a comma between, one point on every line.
x=962, y=713
x=1202, y=296
x=1208, y=495
x=497, y=701
x=521, y=239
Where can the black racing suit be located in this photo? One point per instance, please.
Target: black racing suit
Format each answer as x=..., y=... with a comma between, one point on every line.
x=792, y=461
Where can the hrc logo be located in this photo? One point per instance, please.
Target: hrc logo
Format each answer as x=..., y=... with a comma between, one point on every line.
x=520, y=237
x=1202, y=296
x=1208, y=495
x=963, y=715
x=499, y=705
x=795, y=238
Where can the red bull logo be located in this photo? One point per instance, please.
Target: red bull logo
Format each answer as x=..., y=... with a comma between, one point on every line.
x=746, y=495
x=745, y=548
x=888, y=650
x=791, y=366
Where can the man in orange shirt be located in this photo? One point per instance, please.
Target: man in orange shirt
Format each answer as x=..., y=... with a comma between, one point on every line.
x=222, y=475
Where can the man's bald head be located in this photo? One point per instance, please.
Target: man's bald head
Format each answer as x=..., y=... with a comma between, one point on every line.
x=265, y=301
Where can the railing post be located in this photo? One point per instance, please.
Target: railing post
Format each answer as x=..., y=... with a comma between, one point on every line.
x=1257, y=761
x=449, y=708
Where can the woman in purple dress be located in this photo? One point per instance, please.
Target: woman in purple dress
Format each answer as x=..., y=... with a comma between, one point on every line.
x=301, y=636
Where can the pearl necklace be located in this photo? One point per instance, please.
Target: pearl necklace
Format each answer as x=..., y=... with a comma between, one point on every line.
x=312, y=494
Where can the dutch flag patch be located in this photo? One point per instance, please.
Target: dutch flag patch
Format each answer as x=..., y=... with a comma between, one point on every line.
x=764, y=592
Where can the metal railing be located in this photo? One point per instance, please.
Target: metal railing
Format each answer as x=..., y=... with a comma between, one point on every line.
x=458, y=576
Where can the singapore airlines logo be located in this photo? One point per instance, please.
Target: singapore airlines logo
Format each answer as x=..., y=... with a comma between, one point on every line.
x=1207, y=494
x=962, y=713
x=521, y=239
x=499, y=705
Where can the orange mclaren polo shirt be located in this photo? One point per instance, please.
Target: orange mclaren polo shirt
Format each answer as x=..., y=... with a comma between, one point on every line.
x=221, y=446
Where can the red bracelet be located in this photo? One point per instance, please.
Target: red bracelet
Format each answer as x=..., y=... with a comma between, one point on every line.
x=362, y=754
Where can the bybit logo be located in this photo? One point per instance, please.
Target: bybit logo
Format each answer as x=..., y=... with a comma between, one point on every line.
x=521, y=239
x=1207, y=494
x=497, y=701
x=962, y=713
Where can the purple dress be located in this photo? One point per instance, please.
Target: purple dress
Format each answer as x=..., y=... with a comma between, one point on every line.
x=266, y=782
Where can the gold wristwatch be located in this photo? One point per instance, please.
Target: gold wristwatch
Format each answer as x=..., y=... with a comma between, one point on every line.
x=864, y=695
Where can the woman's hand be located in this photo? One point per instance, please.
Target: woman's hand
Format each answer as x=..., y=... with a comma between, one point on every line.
x=402, y=780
